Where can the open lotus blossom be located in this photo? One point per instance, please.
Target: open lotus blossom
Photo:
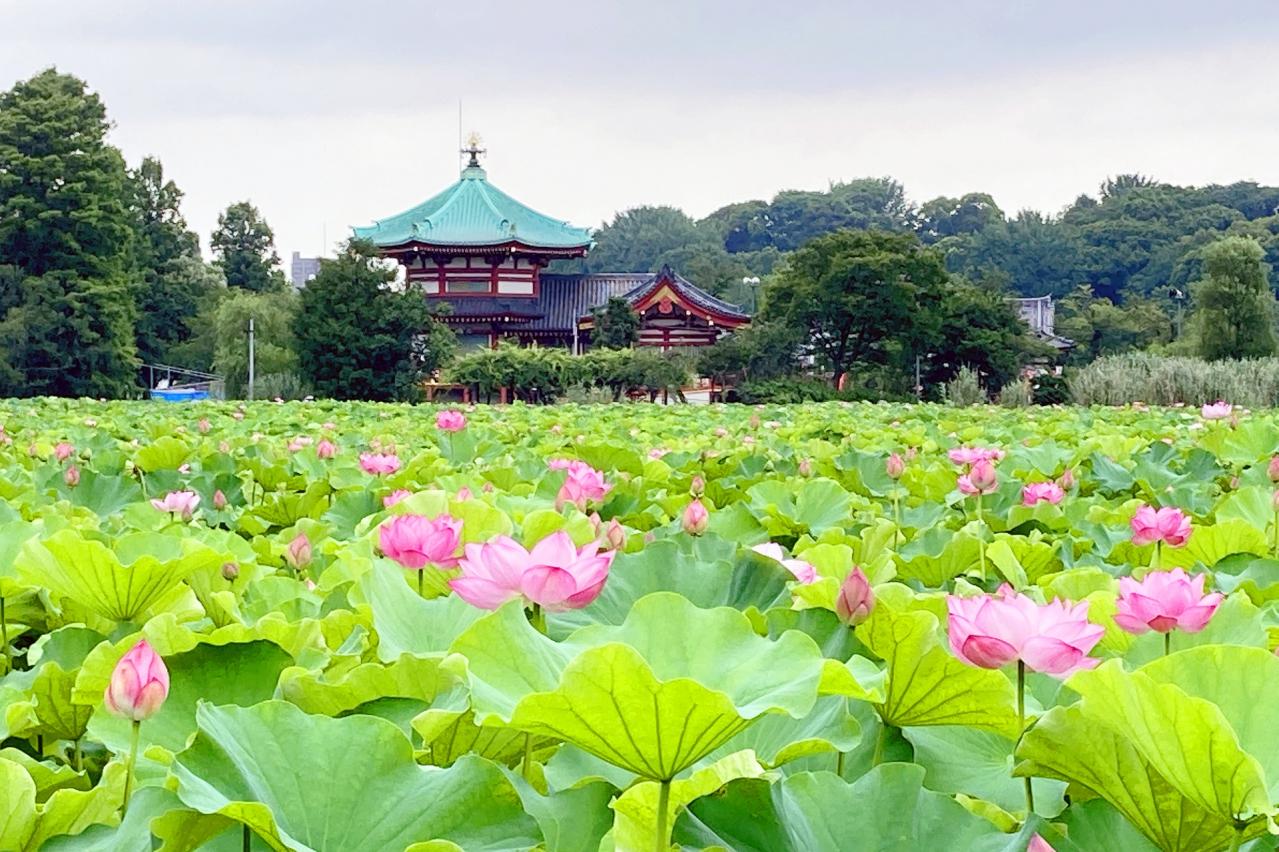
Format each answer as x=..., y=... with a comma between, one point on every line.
x=395, y=497
x=1163, y=601
x=895, y=466
x=980, y=479
x=555, y=575
x=695, y=519
x=326, y=449
x=1041, y=492
x=991, y=631
x=803, y=571
x=856, y=598
x=1169, y=525
x=972, y=455
x=139, y=684
x=415, y=541
x=178, y=503
x=583, y=484
x=450, y=421
x=379, y=464
x=1217, y=410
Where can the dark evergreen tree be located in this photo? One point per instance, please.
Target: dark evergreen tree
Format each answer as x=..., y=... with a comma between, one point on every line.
x=617, y=326
x=358, y=337
x=65, y=228
x=244, y=246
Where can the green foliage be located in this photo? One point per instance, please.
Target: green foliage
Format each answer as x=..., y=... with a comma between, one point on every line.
x=358, y=337
x=535, y=374
x=980, y=329
x=244, y=246
x=859, y=293
x=760, y=351
x=1236, y=308
x=1166, y=380
x=273, y=314
x=966, y=388
x=617, y=326
x=65, y=232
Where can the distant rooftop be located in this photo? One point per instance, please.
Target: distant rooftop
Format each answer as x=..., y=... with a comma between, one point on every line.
x=473, y=213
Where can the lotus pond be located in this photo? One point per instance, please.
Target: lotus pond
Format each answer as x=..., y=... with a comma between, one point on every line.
x=362, y=628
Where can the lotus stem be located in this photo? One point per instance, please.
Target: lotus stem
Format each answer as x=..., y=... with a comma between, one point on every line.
x=881, y=742
x=1276, y=550
x=1238, y=839
x=1021, y=723
x=247, y=838
x=1159, y=556
x=897, y=515
x=79, y=756
x=839, y=764
x=663, y=804
x=537, y=617
x=128, y=768
x=1168, y=643
x=4, y=638
x=527, y=766
x=420, y=577
x=981, y=537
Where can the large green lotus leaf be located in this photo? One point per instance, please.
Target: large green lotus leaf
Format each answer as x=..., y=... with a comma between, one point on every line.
x=927, y=685
x=408, y=677
x=49, y=710
x=1024, y=558
x=406, y=623
x=106, y=580
x=25, y=824
x=104, y=494
x=238, y=673
x=709, y=571
x=306, y=782
x=47, y=775
x=571, y=820
x=13, y=536
x=635, y=824
x=1095, y=826
x=979, y=764
x=814, y=506
x=1210, y=545
x=1068, y=745
x=652, y=695
x=887, y=810
x=166, y=453
x=938, y=556
x=159, y=810
x=776, y=738
x=1252, y=504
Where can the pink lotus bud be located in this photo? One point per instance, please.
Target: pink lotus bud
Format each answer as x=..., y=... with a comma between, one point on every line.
x=224, y=447
x=1067, y=479
x=615, y=535
x=556, y=429
x=71, y=476
x=298, y=553
x=754, y=421
x=697, y=487
x=464, y=494
x=328, y=426
x=63, y=451
x=487, y=488
x=139, y=684
x=295, y=446
x=1273, y=469
x=395, y=497
x=895, y=466
x=1274, y=501
x=237, y=415
x=33, y=450
x=1234, y=483
x=204, y=425
x=856, y=598
x=1038, y=844
x=696, y=519
x=721, y=432
x=596, y=523
x=806, y=467
x=219, y=499
x=980, y=479
x=230, y=571
x=326, y=449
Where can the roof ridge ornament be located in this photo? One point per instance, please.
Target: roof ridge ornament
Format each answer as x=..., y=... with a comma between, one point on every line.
x=473, y=148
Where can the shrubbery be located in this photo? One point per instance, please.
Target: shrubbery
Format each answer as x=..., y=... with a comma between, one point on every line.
x=1162, y=380
x=534, y=374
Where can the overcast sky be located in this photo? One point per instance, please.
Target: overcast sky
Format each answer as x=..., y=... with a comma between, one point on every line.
x=328, y=114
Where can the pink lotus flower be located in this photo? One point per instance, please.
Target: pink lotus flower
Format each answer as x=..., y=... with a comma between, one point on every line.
x=582, y=485
x=416, y=541
x=464, y=493
x=379, y=464
x=972, y=455
x=895, y=466
x=1169, y=525
x=450, y=421
x=1217, y=410
x=695, y=519
x=554, y=575
x=178, y=503
x=224, y=447
x=803, y=571
x=991, y=631
x=71, y=476
x=63, y=451
x=980, y=479
x=1272, y=469
x=1038, y=844
x=657, y=452
x=1164, y=600
x=697, y=486
x=219, y=500
x=806, y=467
x=139, y=684
x=237, y=415
x=1067, y=479
x=395, y=496
x=298, y=552
x=1041, y=492
x=856, y=598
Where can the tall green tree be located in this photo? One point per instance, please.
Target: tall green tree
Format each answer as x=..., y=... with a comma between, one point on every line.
x=359, y=337
x=274, y=350
x=644, y=239
x=65, y=228
x=617, y=326
x=979, y=329
x=861, y=296
x=174, y=282
x=244, y=246
x=1235, y=304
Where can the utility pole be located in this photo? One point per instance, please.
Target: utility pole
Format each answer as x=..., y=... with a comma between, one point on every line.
x=250, y=359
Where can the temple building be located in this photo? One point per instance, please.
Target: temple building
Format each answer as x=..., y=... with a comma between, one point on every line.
x=484, y=253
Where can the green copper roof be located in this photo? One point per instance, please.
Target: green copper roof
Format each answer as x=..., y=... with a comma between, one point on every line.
x=473, y=212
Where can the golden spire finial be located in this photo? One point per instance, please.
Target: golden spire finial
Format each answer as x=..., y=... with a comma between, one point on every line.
x=473, y=148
